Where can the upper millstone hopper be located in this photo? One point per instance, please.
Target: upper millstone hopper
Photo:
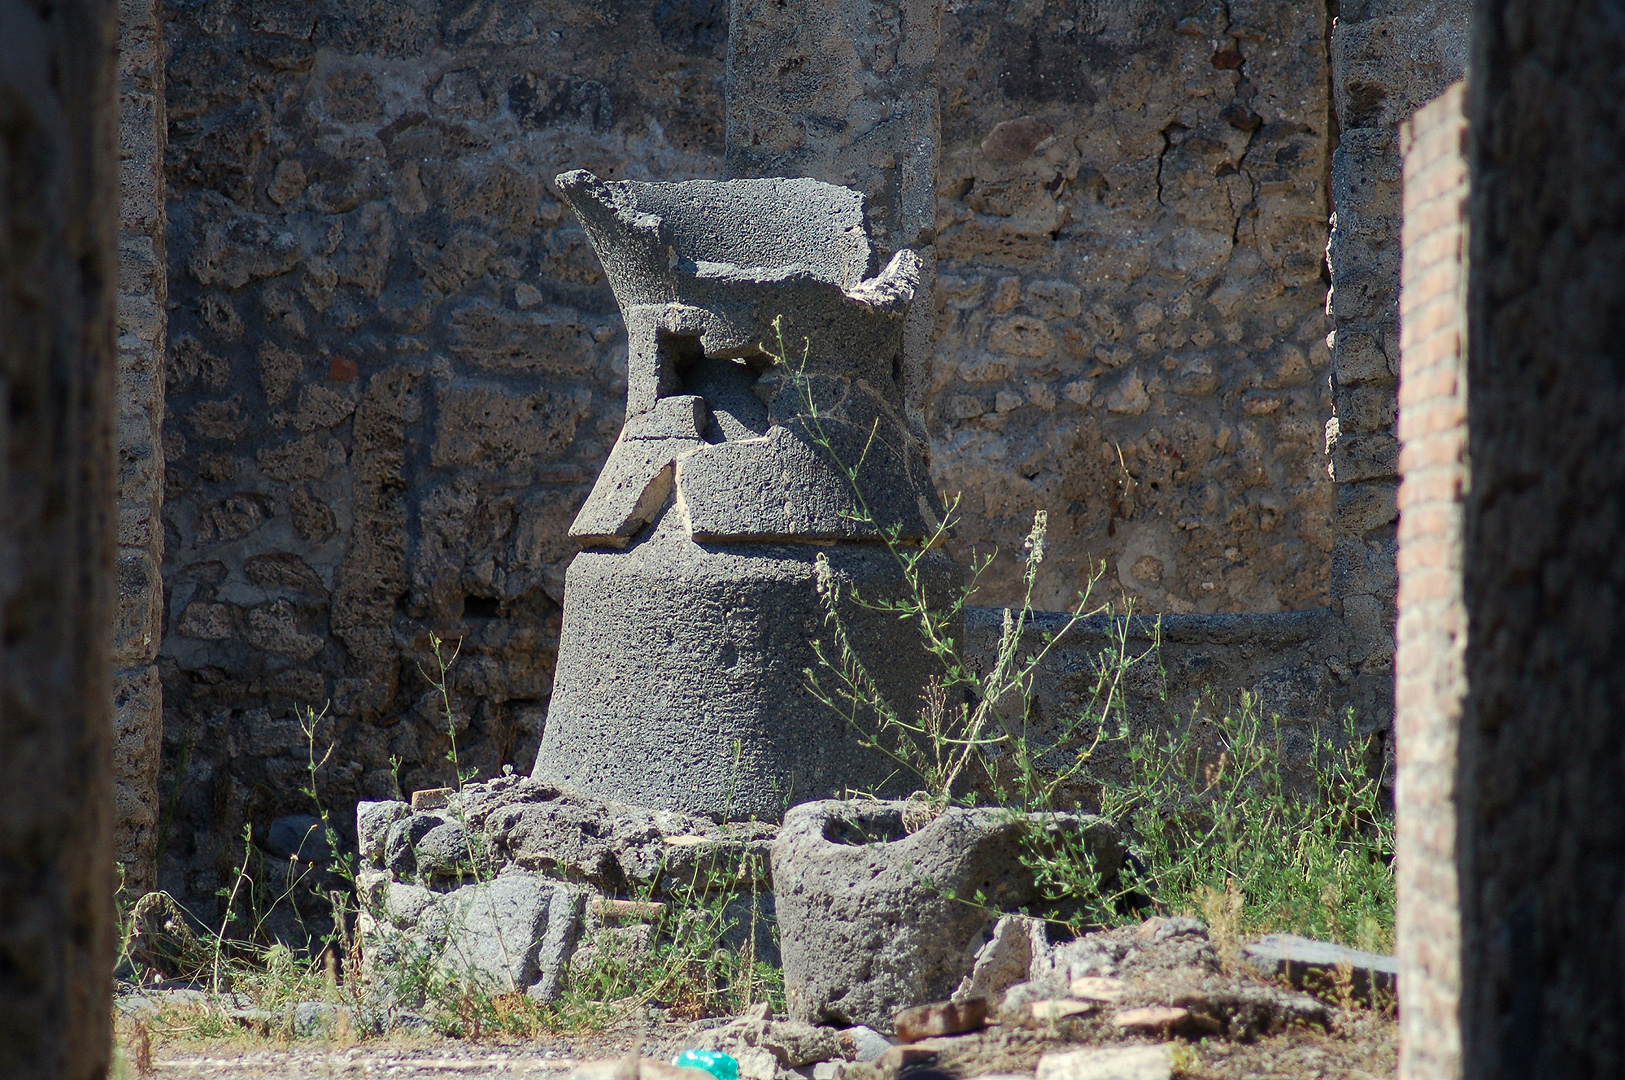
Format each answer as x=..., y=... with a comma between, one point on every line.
x=691, y=615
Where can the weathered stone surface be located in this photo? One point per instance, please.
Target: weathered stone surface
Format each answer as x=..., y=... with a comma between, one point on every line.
x=1098, y=988
x=870, y=121
x=431, y=846
x=516, y=822
x=1004, y=960
x=513, y=932
x=677, y=641
x=1061, y=1008
x=742, y=666
x=1290, y=662
x=787, y=1044
x=872, y=918
x=1387, y=60
x=1247, y=1012
x=298, y=836
x=1116, y=281
x=867, y=1043
x=1163, y=1020
x=516, y=929
x=143, y=292
x=373, y=821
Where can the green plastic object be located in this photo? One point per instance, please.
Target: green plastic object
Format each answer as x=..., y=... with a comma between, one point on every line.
x=715, y=1062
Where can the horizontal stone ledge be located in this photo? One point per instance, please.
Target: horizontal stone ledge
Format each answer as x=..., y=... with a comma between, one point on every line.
x=1271, y=630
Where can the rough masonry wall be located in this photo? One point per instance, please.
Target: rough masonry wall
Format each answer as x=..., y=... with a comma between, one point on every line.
x=1429, y=681
x=394, y=371
x=1131, y=333
x=58, y=267
x=1389, y=57
x=846, y=91
x=143, y=297
x=1543, y=746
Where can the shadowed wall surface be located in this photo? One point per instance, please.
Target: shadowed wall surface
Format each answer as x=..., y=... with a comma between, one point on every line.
x=1543, y=745
x=58, y=270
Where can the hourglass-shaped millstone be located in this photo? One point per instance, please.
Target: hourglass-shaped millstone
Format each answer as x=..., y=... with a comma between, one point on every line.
x=692, y=612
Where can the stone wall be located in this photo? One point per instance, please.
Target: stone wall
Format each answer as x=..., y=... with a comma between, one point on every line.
x=1388, y=58
x=847, y=92
x=58, y=268
x=1194, y=666
x=1432, y=627
x=1131, y=221
x=143, y=297
x=394, y=367
x=1543, y=747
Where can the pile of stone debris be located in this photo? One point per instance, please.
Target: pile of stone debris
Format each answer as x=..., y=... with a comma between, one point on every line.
x=1121, y=1004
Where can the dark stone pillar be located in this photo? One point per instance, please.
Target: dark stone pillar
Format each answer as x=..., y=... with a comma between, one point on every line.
x=1543, y=731
x=58, y=276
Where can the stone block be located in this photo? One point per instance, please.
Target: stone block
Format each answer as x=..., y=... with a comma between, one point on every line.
x=139, y=625
x=872, y=917
x=1358, y=358
x=511, y=933
x=1365, y=457
x=1305, y=961
x=373, y=820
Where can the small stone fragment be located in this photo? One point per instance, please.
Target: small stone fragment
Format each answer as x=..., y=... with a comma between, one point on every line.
x=1060, y=1008
x=1190, y=27
x=1115, y=1063
x=431, y=799
x=863, y=1043
x=610, y=910
x=1004, y=960
x=1240, y=116
x=941, y=1018
x=1098, y=988
x=1228, y=59
x=1015, y=140
x=1152, y=1019
x=898, y=1060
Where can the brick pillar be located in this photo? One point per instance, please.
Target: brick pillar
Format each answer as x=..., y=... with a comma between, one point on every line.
x=846, y=91
x=143, y=292
x=58, y=261
x=1432, y=632
x=1388, y=57
x=1543, y=730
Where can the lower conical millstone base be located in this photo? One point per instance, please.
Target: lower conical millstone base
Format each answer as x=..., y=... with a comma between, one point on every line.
x=681, y=685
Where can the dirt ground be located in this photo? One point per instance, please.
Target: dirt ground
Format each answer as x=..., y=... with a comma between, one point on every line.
x=1361, y=1047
